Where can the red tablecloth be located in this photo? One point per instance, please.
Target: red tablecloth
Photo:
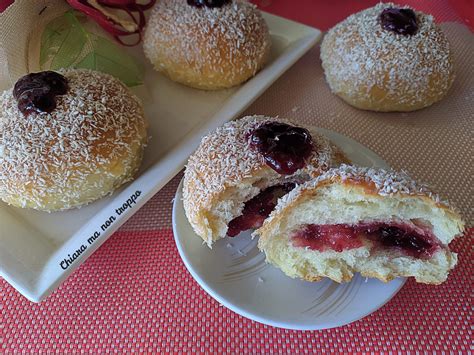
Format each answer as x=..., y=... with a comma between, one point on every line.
x=135, y=293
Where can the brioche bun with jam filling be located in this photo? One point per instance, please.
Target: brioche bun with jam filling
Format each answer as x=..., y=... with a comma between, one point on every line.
x=228, y=184
x=207, y=45
x=88, y=141
x=351, y=219
x=388, y=58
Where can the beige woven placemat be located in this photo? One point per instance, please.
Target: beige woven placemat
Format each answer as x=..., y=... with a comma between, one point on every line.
x=434, y=145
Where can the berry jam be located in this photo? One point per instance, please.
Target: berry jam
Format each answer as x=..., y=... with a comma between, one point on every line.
x=396, y=237
x=401, y=21
x=337, y=237
x=285, y=148
x=258, y=209
x=208, y=3
x=410, y=239
x=36, y=92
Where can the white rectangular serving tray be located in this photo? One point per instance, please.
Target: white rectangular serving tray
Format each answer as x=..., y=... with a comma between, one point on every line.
x=39, y=250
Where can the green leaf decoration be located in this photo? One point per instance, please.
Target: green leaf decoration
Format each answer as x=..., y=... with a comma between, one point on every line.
x=66, y=43
x=62, y=42
x=109, y=58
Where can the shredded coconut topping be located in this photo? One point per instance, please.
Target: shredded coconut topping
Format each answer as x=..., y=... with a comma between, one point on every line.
x=359, y=56
x=92, y=137
x=224, y=158
x=385, y=183
x=215, y=42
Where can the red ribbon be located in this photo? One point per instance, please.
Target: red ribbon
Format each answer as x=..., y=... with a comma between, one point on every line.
x=4, y=4
x=131, y=7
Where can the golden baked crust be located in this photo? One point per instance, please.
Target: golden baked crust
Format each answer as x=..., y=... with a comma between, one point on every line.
x=87, y=147
x=373, y=181
x=207, y=48
x=223, y=161
x=375, y=69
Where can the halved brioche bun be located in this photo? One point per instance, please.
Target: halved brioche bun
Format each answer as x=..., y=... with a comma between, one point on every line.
x=351, y=197
x=225, y=172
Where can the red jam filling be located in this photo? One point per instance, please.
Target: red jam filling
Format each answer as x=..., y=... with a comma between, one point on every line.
x=36, y=92
x=258, y=209
x=208, y=3
x=285, y=148
x=412, y=240
x=337, y=237
x=401, y=21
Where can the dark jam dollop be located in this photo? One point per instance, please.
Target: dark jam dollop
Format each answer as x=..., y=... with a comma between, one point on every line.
x=401, y=21
x=409, y=239
x=258, y=209
x=208, y=3
x=285, y=148
x=36, y=92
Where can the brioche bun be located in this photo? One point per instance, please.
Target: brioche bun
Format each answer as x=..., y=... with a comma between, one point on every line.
x=372, y=68
x=207, y=48
x=89, y=145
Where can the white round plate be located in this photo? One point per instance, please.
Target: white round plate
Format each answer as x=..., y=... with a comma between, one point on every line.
x=234, y=272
